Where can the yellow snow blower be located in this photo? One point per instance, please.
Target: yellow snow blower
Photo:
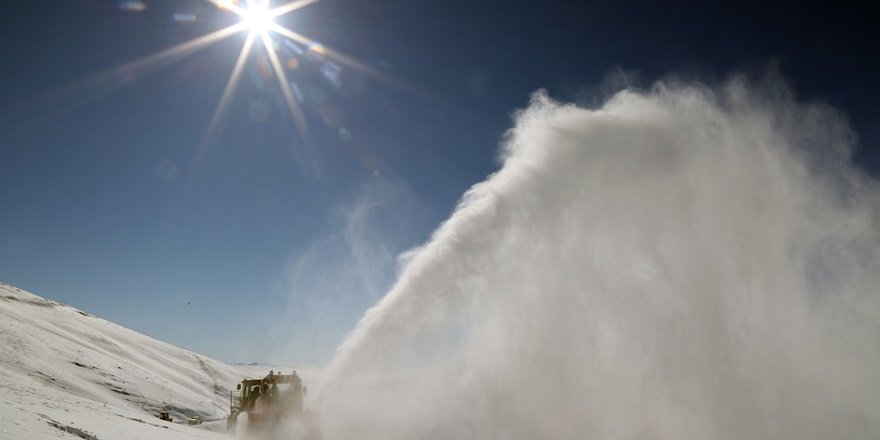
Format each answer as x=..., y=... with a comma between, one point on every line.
x=269, y=403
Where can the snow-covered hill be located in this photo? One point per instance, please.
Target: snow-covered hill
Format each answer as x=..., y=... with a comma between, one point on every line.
x=64, y=372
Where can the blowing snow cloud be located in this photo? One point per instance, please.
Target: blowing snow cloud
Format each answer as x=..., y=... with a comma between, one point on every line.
x=684, y=262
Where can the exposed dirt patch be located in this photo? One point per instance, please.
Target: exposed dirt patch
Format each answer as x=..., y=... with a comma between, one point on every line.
x=141, y=421
x=32, y=301
x=81, y=365
x=69, y=429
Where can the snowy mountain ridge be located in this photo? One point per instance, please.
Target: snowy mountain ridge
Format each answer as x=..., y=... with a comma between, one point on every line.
x=66, y=372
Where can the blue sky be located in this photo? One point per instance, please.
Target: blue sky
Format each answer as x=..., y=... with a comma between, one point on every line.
x=265, y=248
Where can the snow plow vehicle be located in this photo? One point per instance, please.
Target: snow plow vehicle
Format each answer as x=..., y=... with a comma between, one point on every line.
x=269, y=403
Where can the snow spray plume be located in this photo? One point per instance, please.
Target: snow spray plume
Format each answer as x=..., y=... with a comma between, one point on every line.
x=681, y=263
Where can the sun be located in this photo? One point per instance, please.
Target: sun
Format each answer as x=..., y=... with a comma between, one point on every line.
x=257, y=17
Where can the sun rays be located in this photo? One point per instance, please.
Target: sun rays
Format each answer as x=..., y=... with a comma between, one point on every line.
x=284, y=56
x=258, y=18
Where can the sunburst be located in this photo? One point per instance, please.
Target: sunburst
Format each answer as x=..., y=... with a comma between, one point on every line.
x=257, y=18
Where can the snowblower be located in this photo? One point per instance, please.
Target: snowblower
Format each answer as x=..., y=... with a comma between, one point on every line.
x=268, y=402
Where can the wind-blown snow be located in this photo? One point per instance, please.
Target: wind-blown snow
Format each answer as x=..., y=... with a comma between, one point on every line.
x=63, y=371
x=680, y=263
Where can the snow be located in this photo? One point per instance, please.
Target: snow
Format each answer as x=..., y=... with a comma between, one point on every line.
x=683, y=262
x=65, y=373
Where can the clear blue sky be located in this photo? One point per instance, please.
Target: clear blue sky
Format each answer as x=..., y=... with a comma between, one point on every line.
x=264, y=248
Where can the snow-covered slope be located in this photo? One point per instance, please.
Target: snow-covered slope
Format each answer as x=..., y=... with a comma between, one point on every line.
x=65, y=372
